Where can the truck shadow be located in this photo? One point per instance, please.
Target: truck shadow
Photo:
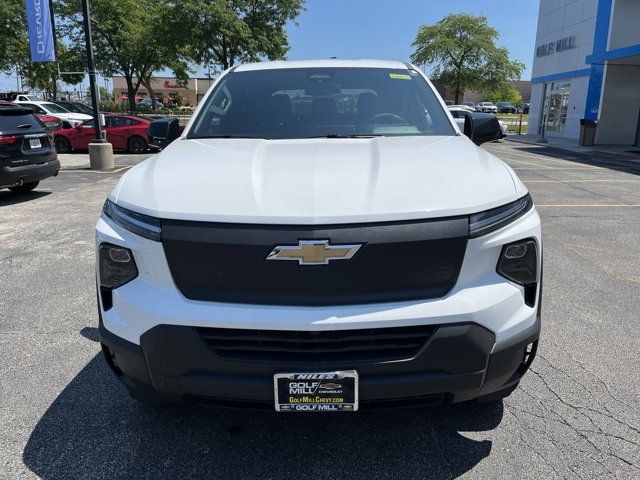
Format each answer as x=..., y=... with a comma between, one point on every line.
x=94, y=430
x=10, y=198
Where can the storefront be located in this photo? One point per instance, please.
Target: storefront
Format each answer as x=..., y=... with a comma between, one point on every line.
x=587, y=66
x=166, y=90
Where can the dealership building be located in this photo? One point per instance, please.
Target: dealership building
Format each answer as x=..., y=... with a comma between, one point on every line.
x=587, y=66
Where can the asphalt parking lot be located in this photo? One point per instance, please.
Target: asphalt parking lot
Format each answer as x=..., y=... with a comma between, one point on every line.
x=575, y=415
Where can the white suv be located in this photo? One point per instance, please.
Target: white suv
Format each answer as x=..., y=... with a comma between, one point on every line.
x=69, y=119
x=321, y=237
x=486, y=107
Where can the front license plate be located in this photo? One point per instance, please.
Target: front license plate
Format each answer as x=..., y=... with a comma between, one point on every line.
x=35, y=143
x=316, y=392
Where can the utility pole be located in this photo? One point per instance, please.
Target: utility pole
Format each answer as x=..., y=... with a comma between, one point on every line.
x=55, y=49
x=92, y=71
x=100, y=151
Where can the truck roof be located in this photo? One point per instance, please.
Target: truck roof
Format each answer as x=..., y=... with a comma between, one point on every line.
x=330, y=63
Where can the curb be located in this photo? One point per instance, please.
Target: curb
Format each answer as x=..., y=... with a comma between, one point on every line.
x=612, y=154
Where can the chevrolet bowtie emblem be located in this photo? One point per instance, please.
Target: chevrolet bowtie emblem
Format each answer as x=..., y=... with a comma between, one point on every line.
x=313, y=252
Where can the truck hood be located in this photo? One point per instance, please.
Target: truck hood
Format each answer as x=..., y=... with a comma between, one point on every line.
x=317, y=181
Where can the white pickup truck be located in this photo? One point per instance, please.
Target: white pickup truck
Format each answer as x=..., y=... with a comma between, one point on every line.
x=321, y=237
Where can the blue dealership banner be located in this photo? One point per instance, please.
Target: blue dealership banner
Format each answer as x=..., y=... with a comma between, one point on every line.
x=40, y=31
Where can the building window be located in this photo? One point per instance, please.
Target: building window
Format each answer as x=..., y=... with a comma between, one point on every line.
x=556, y=105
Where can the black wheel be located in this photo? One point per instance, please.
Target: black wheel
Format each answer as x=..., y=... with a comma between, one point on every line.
x=137, y=145
x=24, y=188
x=63, y=145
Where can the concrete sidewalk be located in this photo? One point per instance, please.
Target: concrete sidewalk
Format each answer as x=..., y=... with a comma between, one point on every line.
x=571, y=145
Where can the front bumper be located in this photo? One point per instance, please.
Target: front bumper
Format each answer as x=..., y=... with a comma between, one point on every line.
x=460, y=362
x=10, y=176
x=483, y=329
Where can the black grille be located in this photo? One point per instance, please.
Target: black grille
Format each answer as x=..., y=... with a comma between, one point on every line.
x=397, y=261
x=317, y=347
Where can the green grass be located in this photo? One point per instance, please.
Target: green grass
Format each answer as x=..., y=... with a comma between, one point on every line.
x=513, y=121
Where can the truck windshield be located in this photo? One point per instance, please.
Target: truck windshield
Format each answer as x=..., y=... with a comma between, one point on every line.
x=321, y=102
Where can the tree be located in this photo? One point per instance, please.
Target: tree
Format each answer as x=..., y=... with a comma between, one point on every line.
x=12, y=32
x=129, y=38
x=105, y=95
x=507, y=93
x=224, y=32
x=463, y=54
x=15, y=52
x=44, y=75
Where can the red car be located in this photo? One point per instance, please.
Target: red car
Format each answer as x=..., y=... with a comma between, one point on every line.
x=124, y=132
x=52, y=123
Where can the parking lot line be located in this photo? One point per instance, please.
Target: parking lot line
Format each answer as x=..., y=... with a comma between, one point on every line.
x=606, y=180
x=544, y=158
x=529, y=163
x=88, y=170
x=592, y=205
x=601, y=263
x=559, y=169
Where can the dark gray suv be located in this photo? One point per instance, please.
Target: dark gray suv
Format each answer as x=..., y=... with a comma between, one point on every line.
x=27, y=154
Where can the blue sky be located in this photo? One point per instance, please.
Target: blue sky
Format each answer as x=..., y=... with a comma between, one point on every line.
x=385, y=29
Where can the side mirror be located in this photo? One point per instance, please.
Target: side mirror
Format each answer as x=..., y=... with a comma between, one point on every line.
x=163, y=131
x=481, y=127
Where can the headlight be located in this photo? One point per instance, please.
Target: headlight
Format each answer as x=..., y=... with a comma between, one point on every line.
x=143, y=225
x=116, y=267
x=519, y=263
x=491, y=220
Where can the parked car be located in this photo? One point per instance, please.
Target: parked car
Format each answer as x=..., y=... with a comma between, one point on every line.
x=504, y=128
x=325, y=217
x=449, y=102
x=75, y=107
x=124, y=132
x=524, y=108
x=462, y=107
x=162, y=131
x=69, y=119
x=486, y=107
x=13, y=96
x=471, y=105
x=461, y=112
x=52, y=123
x=506, y=107
x=27, y=155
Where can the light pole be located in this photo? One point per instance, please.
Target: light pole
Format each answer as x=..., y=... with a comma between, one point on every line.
x=100, y=152
x=92, y=71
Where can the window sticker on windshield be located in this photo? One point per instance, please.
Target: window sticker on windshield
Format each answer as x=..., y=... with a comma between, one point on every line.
x=400, y=76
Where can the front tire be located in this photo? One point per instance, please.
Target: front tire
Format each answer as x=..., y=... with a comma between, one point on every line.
x=137, y=145
x=63, y=145
x=24, y=188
